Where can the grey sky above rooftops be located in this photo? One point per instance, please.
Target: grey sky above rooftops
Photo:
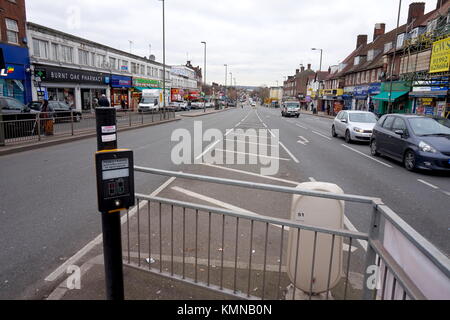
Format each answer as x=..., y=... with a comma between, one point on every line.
x=262, y=41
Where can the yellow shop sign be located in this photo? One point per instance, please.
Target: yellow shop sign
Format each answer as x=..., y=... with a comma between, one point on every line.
x=440, y=57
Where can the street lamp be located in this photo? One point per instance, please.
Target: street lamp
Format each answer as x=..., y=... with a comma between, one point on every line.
x=204, y=79
x=231, y=79
x=226, y=75
x=390, y=107
x=164, y=57
x=321, y=53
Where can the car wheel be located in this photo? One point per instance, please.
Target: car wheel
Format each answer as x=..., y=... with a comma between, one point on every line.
x=373, y=148
x=348, y=138
x=333, y=132
x=410, y=160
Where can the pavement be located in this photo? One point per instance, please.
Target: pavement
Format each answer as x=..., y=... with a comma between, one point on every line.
x=58, y=226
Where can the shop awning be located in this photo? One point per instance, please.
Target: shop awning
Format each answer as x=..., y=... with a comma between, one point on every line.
x=384, y=96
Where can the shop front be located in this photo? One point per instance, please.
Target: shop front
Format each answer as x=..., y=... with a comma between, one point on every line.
x=361, y=95
x=333, y=101
x=393, y=98
x=374, y=90
x=176, y=95
x=15, y=78
x=120, y=91
x=79, y=89
x=432, y=103
x=140, y=84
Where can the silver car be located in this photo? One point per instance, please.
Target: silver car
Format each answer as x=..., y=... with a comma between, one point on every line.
x=354, y=125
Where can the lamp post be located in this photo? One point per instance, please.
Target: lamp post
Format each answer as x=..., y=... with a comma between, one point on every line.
x=321, y=54
x=231, y=79
x=164, y=57
x=226, y=75
x=204, y=79
x=393, y=58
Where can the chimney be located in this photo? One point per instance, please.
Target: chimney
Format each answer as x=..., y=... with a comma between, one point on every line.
x=380, y=29
x=416, y=10
x=329, y=70
x=303, y=68
x=361, y=40
x=440, y=3
x=309, y=66
x=297, y=71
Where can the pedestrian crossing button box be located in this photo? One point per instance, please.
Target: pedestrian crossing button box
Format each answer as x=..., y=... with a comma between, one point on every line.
x=115, y=180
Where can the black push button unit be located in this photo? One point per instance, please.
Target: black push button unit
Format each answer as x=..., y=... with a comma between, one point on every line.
x=115, y=180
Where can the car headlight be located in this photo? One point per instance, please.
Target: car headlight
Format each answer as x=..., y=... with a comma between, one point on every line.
x=359, y=130
x=425, y=147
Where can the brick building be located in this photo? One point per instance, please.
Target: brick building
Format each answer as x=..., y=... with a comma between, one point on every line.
x=15, y=76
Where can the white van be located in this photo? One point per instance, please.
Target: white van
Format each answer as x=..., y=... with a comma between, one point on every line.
x=150, y=100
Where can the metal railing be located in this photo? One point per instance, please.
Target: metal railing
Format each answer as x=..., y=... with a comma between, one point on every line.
x=37, y=127
x=244, y=255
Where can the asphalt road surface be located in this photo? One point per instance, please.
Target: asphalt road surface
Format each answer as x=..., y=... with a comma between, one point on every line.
x=48, y=208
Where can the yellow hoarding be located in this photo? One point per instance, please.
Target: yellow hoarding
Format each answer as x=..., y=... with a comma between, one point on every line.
x=440, y=57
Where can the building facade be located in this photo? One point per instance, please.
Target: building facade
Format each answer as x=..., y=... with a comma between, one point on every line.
x=15, y=73
x=78, y=71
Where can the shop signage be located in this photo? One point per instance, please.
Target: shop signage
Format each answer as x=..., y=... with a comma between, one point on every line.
x=375, y=88
x=440, y=56
x=53, y=74
x=146, y=83
x=16, y=72
x=361, y=91
x=121, y=81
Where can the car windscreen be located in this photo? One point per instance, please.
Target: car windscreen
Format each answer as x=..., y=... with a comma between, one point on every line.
x=149, y=100
x=14, y=105
x=363, y=117
x=36, y=106
x=292, y=106
x=428, y=127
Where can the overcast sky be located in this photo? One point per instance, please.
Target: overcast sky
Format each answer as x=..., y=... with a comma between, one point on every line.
x=262, y=41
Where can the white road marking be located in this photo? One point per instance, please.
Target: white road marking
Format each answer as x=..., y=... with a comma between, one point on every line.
x=208, y=149
x=303, y=140
x=77, y=256
x=298, y=125
x=346, y=248
x=351, y=227
x=367, y=156
x=428, y=184
x=252, y=174
x=290, y=153
x=258, y=144
x=252, y=154
x=322, y=135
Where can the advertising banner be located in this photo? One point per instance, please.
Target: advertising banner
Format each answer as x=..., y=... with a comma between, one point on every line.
x=440, y=57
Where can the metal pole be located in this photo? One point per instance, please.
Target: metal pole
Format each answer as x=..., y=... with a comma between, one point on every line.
x=321, y=54
x=2, y=132
x=393, y=58
x=164, y=60
x=226, y=78
x=204, y=80
x=111, y=226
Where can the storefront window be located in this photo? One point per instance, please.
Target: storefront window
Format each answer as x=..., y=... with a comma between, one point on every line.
x=66, y=95
x=13, y=89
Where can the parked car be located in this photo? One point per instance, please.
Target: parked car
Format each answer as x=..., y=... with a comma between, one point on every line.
x=14, y=116
x=58, y=110
x=354, y=125
x=290, y=109
x=419, y=142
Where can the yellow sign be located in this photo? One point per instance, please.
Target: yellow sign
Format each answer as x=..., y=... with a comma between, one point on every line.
x=440, y=57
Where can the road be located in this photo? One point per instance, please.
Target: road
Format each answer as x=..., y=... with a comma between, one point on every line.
x=48, y=208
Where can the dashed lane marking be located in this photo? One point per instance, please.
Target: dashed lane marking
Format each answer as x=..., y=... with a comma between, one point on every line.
x=369, y=157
